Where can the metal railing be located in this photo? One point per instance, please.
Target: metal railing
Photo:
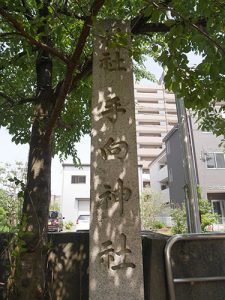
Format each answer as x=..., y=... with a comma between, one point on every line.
x=169, y=268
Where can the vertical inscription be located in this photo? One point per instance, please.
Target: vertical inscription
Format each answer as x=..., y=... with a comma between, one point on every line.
x=115, y=243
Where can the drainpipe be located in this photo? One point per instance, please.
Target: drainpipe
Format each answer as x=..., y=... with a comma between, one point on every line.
x=193, y=219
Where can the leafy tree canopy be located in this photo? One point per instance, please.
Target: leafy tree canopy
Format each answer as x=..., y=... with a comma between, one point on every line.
x=166, y=30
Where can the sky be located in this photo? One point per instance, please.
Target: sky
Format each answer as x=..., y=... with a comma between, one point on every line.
x=10, y=152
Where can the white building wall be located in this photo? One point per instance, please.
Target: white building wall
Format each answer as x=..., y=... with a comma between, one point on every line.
x=159, y=180
x=71, y=192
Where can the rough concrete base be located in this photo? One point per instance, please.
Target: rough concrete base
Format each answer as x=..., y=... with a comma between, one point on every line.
x=68, y=261
x=68, y=266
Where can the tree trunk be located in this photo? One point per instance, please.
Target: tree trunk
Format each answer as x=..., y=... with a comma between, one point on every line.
x=31, y=267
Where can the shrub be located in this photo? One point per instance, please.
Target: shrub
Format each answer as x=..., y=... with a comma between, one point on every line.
x=68, y=225
x=207, y=217
x=158, y=225
x=179, y=220
x=151, y=205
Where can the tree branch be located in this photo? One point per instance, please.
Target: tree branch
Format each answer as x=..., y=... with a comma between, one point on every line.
x=198, y=25
x=73, y=63
x=10, y=19
x=28, y=13
x=14, y=58
x=20, y=101
x=145, y=28
x=8, y=98
x=85, y=71
x=7, y=34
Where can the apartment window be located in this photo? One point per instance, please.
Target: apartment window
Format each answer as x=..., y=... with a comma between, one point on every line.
x=147, y=101
x=148, y=112
x=164, y=187
x=146, y=184
x=215, y=160
x=149, y=134
x=146, y=171
x=171, y=112
x=149, y=123
x=78, y=179
x=144, y=146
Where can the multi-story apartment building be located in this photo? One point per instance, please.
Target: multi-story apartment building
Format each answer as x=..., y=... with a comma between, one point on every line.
x=155, y=117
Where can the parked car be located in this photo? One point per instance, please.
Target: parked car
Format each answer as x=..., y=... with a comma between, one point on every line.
x=55, y=221
x=83, y=222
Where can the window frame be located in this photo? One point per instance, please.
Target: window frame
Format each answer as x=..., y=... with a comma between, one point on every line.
x=78, y=176
x=215, y=160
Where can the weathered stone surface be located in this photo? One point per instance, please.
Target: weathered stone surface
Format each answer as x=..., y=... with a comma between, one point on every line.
x=115, y=244
x=68, y=262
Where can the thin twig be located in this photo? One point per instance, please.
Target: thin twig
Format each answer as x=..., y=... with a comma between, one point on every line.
x=203, y=32
x=11, y=20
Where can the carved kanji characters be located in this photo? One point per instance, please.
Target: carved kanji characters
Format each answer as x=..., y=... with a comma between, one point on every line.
x=105, y=255
x=107, y=196
x=123, y=253
x=120, y=195
x=112, y=149
x=112, y=64
x=112, y=107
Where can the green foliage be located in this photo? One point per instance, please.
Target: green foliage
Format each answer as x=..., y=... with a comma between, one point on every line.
x=54, y=206
x=3, y=224
x=193, y=26
x=68, y=225
x=207, y=217
x=158, y=225
x=150, y=206
x=179, y=220
x=12, y=183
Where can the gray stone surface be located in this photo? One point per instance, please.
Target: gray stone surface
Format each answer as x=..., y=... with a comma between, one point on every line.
x=115, y=243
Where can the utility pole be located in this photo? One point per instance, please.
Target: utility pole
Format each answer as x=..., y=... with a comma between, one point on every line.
x=193, y=218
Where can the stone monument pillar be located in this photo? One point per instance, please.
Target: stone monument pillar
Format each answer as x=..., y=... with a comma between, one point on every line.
x=115, y=242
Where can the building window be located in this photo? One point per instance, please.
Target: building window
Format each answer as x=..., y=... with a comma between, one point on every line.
x=171, y=112
x=168, y=147
x=215, y=160
x=149, y=123
x=148, y=112
x=146, y=171
x=78, y=179
x=150, y=134
x=164, y=186
x=146, y=184
x=144, y=146
x=170, y=175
